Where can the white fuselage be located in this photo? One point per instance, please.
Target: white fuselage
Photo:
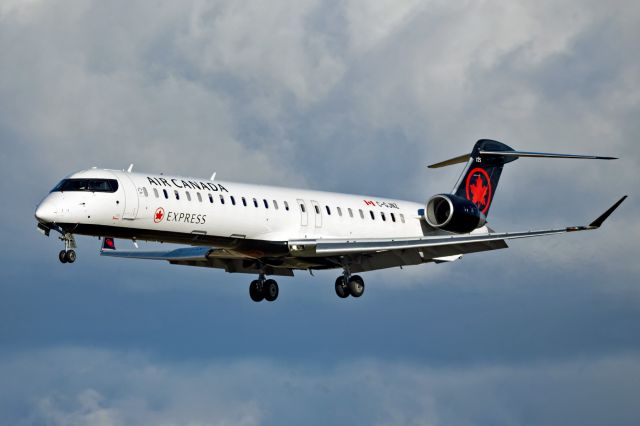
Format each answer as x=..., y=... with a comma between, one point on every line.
x=200, y=207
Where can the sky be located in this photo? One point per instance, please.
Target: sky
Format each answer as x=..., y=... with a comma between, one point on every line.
x=351, y=96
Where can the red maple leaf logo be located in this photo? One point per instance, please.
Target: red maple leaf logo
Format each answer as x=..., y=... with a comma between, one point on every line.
x=479, y=192
x=158, y=215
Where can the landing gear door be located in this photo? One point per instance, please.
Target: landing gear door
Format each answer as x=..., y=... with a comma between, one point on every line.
x=304, y=216
x=130, y=197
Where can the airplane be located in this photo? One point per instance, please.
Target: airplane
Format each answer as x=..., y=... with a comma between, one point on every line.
x=273, y=231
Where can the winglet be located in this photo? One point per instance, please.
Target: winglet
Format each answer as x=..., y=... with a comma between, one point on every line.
x=599, y=221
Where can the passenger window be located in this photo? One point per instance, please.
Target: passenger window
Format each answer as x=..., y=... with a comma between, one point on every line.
x=373, y=216
x=350, y=212
x=302, y=207
x=155, y=192
x=199, y=196
x=244, y=201
x=266, y=204
x=275, y=204
x=384, y=219
x=255, y=203
x=188, y=195
x=166, y=194
x=339, y=211
x=286, y=206
x=233, y=200
x=177, y=194
x=328, y=210
x=361, y=213
x=401, y=218
x=317, y=209
x=393, y=217
x=221, y=199
x=146, y=193
x=211, y=198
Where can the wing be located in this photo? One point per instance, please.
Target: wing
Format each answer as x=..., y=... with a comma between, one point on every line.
x=208, y=257
x=364, y=254
x=431, y=247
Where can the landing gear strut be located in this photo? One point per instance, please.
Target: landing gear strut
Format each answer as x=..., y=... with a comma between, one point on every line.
x=263, y=289
x=349, y=285
x=68, y=255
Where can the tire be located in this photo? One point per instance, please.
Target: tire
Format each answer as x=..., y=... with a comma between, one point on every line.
x=356, y=286
x=270, y=290
x=62, y=256
x=342, y=290
x=71, y=256
x=255, y=291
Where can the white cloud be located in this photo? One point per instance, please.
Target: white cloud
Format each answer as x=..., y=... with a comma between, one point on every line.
x=69, y=386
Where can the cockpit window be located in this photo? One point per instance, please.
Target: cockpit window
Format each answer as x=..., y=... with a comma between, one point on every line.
x=88, y=185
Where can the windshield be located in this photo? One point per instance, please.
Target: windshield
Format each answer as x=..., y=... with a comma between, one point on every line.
x=89, y=185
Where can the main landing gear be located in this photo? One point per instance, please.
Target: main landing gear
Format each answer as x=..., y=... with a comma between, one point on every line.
x=349, y=285
x=68, y=255
x=263, y=288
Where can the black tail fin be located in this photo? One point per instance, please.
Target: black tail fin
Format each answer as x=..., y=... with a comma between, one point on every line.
x=479, y=181
x=480, y=178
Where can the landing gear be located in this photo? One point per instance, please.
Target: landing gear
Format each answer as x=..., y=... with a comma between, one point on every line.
x=255, y=291
x=263, y=289
x=270, y=290
x=356, y=285
x=349, y=285
x=68, y=255
x=342, y=290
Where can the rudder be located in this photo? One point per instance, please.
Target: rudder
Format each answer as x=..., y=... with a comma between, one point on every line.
x=479, y=181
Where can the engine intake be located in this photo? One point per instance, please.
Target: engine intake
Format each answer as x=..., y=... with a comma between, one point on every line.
x=452, y=213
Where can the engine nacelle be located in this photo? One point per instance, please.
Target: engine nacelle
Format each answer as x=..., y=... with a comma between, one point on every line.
x=452, y=213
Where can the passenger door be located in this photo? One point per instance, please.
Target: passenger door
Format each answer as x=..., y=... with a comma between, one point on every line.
x=304, y=216
x=130, y=197
x=317, y=212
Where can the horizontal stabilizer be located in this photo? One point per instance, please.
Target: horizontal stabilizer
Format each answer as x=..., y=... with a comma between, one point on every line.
x=457, y=160
x=508, y=154
x=545, y=155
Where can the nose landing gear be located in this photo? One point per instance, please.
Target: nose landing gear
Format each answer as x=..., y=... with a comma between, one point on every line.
x=68, y=255
x=263, y=289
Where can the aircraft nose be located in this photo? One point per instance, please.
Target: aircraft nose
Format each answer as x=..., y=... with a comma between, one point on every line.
x=46, y=211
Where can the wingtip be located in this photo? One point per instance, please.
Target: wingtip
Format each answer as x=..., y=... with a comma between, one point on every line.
x=600, y=220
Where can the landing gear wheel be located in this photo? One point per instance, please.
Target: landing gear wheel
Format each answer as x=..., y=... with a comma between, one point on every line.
x=342, y=290
x=270, y=290
x=356, y=285
x=255, y=291
x=62, y=256
x=70, y=256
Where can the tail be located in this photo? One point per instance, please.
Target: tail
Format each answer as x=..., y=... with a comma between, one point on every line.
x=479, y=181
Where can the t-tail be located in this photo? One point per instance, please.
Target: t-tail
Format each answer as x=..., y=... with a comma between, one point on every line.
x=467, y=207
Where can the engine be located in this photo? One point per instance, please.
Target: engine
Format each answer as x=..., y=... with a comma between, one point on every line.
x=452, y=213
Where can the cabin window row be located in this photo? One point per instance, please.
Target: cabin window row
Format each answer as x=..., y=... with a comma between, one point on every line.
x=372, y=214
x=256, y=203
x=232, y=199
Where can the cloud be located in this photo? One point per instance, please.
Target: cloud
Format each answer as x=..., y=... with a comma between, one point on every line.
x=348, y=96
x=72, y=385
